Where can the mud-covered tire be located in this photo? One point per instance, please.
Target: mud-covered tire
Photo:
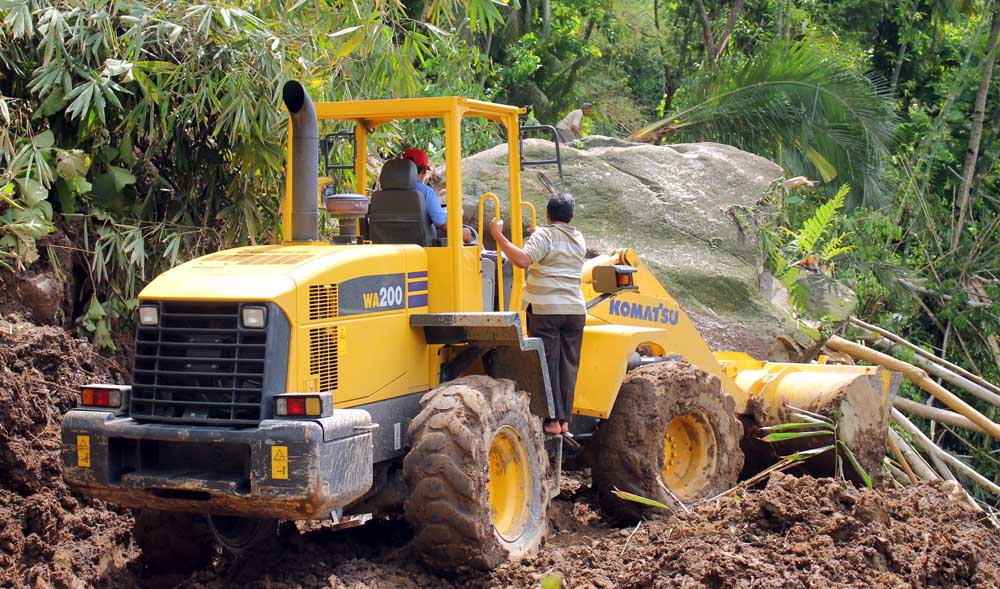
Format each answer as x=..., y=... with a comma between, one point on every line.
x=672, y=399
x=240, y=536
x=173, y=542
x=448, y=469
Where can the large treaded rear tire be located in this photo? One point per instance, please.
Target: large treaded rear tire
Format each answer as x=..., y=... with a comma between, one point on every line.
x=447, y=472
x=173, y=542
x=658, y=402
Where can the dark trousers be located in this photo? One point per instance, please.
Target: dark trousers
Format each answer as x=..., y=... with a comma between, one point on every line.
x=562, y=336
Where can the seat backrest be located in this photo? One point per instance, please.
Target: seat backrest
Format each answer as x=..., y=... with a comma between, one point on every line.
x=398, y=212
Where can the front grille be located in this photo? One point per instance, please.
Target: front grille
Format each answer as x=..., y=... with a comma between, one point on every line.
x=199, y=365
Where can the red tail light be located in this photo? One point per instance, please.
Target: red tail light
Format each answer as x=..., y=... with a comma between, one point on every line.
x=93, y=396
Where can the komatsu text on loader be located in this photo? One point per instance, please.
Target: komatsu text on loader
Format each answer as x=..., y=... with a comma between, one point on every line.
x=389, y=371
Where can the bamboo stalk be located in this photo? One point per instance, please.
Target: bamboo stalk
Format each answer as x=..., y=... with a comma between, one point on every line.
x=922, y=352
x=898, y=475
x=935, y=414
x=902, y=460
x=943, y=469
x=931, y=448
x=918, y=377
x=945, y=374
x=916, y=461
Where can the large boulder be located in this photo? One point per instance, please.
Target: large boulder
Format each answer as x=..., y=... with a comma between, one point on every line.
x=692, y=211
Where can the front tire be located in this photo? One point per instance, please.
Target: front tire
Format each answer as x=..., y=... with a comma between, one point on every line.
x=241, y=535
x=477, y=474
x=173, y=542
x=672, y=427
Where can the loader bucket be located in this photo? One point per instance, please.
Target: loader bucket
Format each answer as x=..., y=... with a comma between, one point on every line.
x=859, y=398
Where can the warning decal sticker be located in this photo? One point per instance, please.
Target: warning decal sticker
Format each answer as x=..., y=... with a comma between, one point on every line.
x=279, y=462
x=83, y=451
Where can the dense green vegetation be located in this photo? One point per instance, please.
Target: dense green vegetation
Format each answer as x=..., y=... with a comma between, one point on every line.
x=151, y=131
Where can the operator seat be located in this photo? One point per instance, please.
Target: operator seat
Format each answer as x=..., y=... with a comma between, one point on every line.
x=398, y=212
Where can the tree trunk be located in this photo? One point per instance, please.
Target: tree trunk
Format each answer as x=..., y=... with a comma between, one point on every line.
x=985, y=162
x=734, y=15
x=976, y=133
x=897, y=68
x=779, y=12
x=546, y=19
x=706, y=29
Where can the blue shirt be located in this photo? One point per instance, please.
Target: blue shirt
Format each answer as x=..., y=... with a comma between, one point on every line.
x=433, y=204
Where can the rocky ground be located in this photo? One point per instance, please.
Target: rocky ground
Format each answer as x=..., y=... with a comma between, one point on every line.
x=795, y=532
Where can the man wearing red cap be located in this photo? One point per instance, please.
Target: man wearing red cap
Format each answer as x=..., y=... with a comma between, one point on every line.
x=434, y=210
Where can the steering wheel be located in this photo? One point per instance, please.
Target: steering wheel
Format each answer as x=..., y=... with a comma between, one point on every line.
x=475, y=235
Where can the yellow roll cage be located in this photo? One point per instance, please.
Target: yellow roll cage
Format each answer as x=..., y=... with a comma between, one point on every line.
x=367, y=115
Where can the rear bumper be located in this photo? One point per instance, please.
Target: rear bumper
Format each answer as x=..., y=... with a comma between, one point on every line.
x=283, y=469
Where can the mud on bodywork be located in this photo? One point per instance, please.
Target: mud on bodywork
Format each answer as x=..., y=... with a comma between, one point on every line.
x=284, y=469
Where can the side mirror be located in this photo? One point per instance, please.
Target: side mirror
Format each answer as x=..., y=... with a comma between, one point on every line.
x=611, y=279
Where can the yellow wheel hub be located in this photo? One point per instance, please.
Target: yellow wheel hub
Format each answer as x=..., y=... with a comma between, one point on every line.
x=509, y=484
x=689, y=455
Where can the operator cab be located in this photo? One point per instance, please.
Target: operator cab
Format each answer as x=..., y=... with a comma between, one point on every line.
x=395, y=212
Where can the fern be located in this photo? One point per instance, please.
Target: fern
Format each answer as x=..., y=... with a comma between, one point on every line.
x=835, y=247
x=814, y=227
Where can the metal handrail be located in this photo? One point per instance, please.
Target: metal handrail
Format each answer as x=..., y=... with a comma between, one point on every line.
x=496, y=207
x=531, y=209
x=555, y=139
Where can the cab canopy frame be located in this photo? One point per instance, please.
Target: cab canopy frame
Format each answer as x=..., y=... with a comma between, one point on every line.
x=368, y=115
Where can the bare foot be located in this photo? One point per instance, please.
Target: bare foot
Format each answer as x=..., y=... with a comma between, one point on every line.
x=553, y=428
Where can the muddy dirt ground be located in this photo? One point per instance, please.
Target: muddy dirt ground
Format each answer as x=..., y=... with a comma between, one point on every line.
x=795, y=532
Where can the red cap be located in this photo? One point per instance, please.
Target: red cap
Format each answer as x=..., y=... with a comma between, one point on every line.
x=418, y=156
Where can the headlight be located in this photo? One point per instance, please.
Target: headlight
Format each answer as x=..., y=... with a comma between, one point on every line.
x=149, y=315
x=255, y=317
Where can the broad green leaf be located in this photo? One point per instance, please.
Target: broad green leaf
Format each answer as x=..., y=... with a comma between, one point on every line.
x=32, y=191
x=806, y=454
x=67, y=197
x=71, y=163
x=638, y=499
x=552, y=582
x=826, y=169
x=781, y=436
x=806, y=413
x=44, y=140
x=344, y=31
x=788, y=427
x=121, y=176
x=350, y=45
x=857, y=465
x=809, y=418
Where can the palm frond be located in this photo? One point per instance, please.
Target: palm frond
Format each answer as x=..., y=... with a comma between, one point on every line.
x=824, y=117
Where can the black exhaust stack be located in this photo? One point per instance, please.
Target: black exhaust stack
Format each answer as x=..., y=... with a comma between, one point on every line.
x=305, y=162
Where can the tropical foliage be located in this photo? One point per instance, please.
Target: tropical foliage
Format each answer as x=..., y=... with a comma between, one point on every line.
x=148, y=132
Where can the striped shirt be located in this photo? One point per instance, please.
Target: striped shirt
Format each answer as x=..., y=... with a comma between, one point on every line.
x=553, y=287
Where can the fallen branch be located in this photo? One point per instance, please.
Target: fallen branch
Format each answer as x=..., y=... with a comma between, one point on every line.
x=902, y=460
x=920, y=466
x=922, y=352
x=627, y=540
x=947, y=297
x=935, y=414
x=781, y=466
x=943, y=469
x=945, y=374
x=918, y=377
x=931, y=448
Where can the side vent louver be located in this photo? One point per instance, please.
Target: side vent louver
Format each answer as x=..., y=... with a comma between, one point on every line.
x=323, y=357
x=322, y=302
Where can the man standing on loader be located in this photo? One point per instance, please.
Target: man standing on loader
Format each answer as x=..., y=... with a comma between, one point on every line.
x=553, y=301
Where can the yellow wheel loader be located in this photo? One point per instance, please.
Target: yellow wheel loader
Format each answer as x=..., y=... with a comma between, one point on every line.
x=389, y=371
